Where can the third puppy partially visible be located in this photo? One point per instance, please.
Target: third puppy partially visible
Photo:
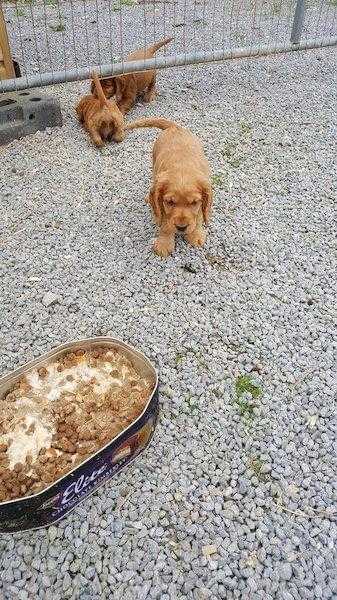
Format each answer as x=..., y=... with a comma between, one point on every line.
x=101, y=117
x=127, y=87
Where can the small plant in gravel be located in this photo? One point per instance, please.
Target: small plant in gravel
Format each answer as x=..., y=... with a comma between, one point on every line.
x=228, y=150
x=229, y=153
x=218, y=179
x=20, y=12
x=256, y=466
x=244, y=385
x=245, y=409
x=117, y=5
x=191, y=405
x=179, y=359
x=57, y=28
x=245, y=127
x=276, y=7
x=200, y=359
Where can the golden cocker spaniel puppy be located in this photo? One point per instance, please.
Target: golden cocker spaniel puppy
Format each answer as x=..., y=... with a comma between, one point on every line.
x=181, y=193
x=127, y=87
x=101, y=117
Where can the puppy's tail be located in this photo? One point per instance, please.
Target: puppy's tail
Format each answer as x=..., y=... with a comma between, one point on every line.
x=99, y=90
x=159, y=123
x=153, y=49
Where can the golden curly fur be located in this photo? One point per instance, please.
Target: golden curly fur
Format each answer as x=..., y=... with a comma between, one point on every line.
x=127, y=87
x=100, y=117
x=181, y=194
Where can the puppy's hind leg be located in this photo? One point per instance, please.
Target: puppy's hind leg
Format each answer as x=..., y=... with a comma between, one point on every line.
x=119, y=136
x=79, y=113
x=119, y=133
x=95, y=137
x=150, y=94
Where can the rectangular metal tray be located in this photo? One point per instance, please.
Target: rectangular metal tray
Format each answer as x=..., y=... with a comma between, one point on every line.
x=62, y=496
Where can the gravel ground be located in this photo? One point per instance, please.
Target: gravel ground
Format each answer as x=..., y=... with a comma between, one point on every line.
x=236, y=496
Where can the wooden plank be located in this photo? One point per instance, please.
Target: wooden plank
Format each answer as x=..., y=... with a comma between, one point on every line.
x=6, y=63
x=2, y=66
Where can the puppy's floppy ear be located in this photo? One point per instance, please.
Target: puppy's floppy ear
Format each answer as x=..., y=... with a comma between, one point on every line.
x=207, y=199
x=156, y=199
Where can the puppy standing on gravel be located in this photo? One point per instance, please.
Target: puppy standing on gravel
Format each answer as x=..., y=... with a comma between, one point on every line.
x=128, y=87
x=181, y=194
x=101, y=117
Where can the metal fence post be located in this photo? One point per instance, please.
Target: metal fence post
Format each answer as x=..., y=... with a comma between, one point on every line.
x=298, y=21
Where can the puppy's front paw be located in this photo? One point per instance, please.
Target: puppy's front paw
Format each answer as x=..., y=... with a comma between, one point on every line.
x=163, y=247
x=197, y=238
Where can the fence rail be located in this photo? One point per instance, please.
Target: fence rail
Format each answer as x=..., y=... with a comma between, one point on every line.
x=56, y=41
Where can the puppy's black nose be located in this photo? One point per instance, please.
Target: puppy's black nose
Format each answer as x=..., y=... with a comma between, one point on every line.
x=182, y=228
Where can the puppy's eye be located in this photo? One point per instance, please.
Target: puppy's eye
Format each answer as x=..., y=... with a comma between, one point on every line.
x=170, y=201
x=195, y=202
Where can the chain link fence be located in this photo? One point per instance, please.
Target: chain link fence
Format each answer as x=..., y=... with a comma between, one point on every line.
x=56, y=41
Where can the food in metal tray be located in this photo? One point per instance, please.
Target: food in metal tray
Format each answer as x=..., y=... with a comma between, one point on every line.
x=59, y=414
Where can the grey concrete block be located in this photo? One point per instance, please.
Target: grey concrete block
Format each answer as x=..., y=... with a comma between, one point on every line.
x=26, y=112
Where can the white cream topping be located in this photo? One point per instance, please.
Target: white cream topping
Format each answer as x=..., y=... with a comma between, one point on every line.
x=21, y=442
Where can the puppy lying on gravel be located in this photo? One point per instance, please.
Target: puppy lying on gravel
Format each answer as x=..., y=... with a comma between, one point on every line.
x=181, y=194
x=127, y=87
x=101, y=117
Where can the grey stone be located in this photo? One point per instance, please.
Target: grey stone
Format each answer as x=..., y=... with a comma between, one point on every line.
x=67, y=582
x=285, y=571
x=27, y=112
x=52, y=533
x=49, y=298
